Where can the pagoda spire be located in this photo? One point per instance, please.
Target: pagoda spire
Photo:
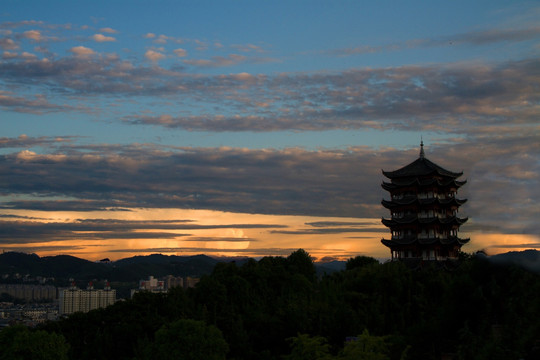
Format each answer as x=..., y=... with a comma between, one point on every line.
x=422, y=155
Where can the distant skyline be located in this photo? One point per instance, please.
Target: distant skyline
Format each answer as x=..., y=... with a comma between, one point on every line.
x=256, y=128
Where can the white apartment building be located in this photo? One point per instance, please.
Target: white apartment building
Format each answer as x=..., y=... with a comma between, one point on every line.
x=74, y=299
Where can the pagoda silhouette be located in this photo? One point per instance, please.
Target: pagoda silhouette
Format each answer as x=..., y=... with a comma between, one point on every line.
x=423, y=207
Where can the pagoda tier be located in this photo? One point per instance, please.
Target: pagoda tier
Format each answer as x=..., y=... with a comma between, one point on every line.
x=414, y=200
x=422, y=183
x=423, y=207
x=418, y=221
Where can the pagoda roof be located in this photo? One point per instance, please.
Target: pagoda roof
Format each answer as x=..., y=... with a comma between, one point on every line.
x=399, y=183
x=454, y=220
x=427, y=241
x=411, y=200
x=420, y=167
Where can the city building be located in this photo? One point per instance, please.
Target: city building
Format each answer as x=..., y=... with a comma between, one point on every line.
x=173, y=281
x=152, y=285
x=162, y=286
x=74, y=299
x=423, y=207
x=29, y=292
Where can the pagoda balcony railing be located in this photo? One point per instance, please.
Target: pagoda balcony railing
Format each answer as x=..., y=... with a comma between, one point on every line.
x=423, y=215
x=442, y=196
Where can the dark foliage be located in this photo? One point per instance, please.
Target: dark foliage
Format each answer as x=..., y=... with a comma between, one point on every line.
x=276, y=308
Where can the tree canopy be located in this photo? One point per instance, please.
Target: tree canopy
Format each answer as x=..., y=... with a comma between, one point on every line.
x=277, y=308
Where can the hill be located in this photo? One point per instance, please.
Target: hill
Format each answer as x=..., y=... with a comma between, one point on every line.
x=129, y=269
x=138, y=267
x=528, y=259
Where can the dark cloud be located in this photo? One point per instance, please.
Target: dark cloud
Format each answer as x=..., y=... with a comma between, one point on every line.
x=338, y=223
x=320, y=231
x=517, y=246
x=499, y=170
x=25, y=141
x=496, y=35
x=433, y=98
x=52, y=248
x=214, y=239
x=425, y=97
x=275, y=182
x=480, y=37
x=31, y=232
x=36, y=105
x=19, y=229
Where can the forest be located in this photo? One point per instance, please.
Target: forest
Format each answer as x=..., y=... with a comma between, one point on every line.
x=278, y=308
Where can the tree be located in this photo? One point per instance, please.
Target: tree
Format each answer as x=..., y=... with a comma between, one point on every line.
x=188, y=340
x=360, y=261
x=18, y=343
x=300, y=262
x=305, y=347
x=366, y=347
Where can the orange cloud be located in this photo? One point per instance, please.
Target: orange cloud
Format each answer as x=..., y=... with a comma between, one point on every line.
x=154, y=56
x=102, y=38
x=81, y=51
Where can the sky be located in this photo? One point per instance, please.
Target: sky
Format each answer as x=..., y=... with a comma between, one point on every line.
x=254, y=128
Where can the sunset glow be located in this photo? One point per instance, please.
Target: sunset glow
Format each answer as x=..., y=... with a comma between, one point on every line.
x=255, y=128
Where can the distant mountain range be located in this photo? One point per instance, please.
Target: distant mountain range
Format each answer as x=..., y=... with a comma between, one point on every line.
x=129, y=269
x=124, y=270
x=528, y=259
x=157, y=265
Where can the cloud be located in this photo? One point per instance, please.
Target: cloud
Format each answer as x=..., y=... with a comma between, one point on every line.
x=33, y=35
x=102, y=38
x=484, y=37
x=36, y=104
x=249, y=48
x=108, y=30
x=475, y=38
x=6, y=55
x=22, y=230
x=180, y=52
x=455, y=99
x=217, y=61
x=8, y=44
x=26, y=232
x=323, y=231
x=161, y=39
x=82, y=51
x=216, y=239
x=338, y=223
x=154, y=56
x=343, y=183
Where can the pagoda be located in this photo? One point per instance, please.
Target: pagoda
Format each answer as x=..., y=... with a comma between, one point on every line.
x=423, y=208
